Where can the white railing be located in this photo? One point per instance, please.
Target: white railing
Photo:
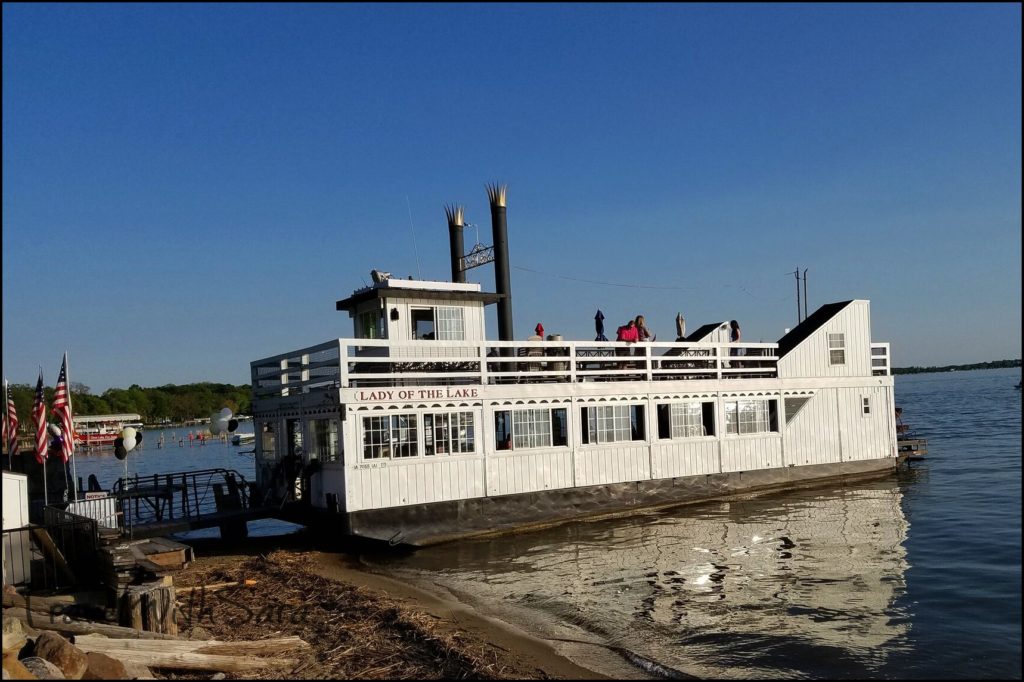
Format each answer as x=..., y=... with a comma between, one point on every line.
x=880, y=359
x=365, y=363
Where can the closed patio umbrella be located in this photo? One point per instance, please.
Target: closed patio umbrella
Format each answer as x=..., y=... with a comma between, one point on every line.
x=599, y=326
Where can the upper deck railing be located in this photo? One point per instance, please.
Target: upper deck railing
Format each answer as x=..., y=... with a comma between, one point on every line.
x=880, y=359
x=368, y=363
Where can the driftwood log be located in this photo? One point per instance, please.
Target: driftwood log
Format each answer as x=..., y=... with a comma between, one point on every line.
x=227, y=657
x=43, y=621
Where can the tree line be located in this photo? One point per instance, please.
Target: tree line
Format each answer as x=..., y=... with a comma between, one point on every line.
x=177, y=403
x=995, y=364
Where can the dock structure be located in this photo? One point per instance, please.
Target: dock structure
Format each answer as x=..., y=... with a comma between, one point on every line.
x=909, y=446
x=177, y=502
x=912, y=449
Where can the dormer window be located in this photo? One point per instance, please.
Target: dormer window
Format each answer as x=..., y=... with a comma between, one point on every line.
x=445, y=323
x=837, y=349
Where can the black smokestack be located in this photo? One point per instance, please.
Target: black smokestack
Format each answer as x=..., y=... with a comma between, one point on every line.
x=502, y=284
x=454, y=214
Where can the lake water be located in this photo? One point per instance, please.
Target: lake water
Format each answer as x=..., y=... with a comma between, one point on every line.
x=917, y=575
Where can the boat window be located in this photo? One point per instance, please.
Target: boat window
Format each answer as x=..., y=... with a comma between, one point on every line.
x=269, y=448
x=837, y=349
x=503, y=430
x=423, y=323
x=390, y=436
x=451, y=325
x=371, y=325
x=793, y=406
x=751, y=416
x=531, y=428
x=324, y=440
x=446, y=323
x=686, y=420
x=294, y=430
x=448, y=433
x=612, y=423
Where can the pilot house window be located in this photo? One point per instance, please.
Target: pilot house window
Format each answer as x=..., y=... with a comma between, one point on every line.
x=371, y=325
x=445, y=323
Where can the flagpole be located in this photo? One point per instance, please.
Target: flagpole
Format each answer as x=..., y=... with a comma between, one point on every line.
x=7, y=428
x=71, y=421
x=40, y=396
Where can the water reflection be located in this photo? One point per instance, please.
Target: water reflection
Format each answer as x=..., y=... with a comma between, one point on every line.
x=800, y=585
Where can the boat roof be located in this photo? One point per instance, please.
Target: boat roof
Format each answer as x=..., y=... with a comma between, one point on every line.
x=418, y=288
x=811, y=324
x=701, y=332
x=129, y=417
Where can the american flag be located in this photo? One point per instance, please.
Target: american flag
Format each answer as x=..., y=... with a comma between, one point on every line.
x=11, y=426
x=62, y=410
x=39, y=419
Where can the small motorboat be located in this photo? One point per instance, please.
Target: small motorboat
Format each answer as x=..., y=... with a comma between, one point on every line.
x=243, y=438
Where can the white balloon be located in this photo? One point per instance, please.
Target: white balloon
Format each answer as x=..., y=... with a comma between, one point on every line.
x=129, y=435
x=54, y=430
x=129, y=444
x=226, y=413
x=215, y=427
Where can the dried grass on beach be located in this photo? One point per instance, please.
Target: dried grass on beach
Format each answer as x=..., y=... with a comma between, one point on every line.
x=353, y=633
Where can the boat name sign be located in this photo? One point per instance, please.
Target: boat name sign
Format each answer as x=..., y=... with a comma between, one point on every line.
x=419, y=394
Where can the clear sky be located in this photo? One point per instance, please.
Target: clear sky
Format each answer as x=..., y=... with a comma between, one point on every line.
x=188, y=188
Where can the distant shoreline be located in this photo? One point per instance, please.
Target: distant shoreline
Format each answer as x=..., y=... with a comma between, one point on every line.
x=996, y=364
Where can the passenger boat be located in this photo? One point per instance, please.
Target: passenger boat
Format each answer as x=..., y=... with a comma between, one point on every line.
x=418, y=429
x=100, y=430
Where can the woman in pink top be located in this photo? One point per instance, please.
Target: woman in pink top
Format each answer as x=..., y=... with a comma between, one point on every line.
x=628, y=332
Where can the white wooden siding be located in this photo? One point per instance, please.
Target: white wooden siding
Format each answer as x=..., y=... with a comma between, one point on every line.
x=616, y=464
x=526, y=472
x=719, y=334
x=400, y=330
x=864, y=437
x=749, y=453
x=812, y=437
x=670, y=459
x=811, y=357
x=423, y=480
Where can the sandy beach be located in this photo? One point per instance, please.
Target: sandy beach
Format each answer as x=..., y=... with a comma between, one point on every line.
x=362, y=623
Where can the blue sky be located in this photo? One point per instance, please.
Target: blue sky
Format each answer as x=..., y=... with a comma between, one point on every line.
x=187, y=188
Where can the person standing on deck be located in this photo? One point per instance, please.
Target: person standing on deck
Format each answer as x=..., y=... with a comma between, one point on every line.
x=643, y=333
x=734, y=337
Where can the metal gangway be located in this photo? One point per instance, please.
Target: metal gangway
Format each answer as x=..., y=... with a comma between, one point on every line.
x=163, y=504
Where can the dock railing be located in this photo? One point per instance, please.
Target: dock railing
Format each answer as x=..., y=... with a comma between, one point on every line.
x=367, y=363
x=178, y=496
x=59, y=553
